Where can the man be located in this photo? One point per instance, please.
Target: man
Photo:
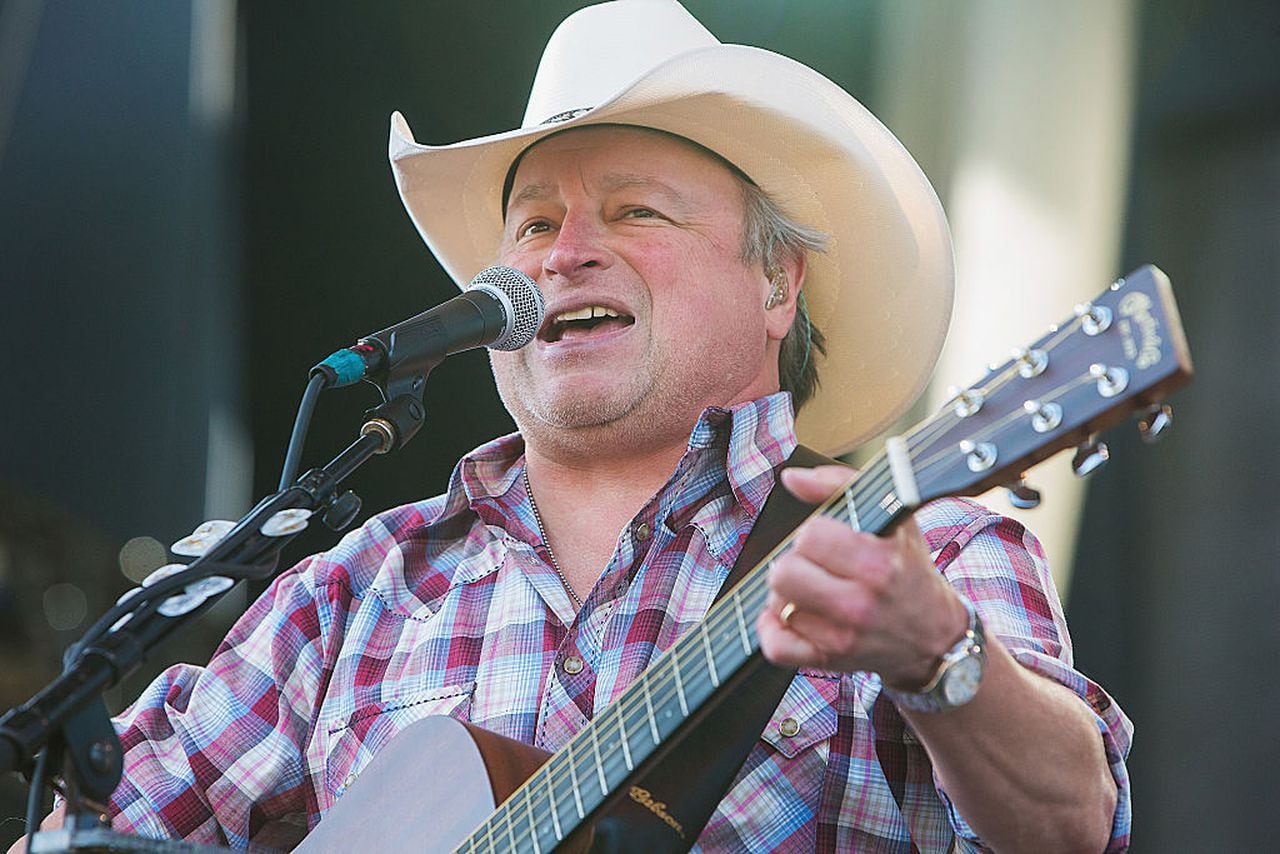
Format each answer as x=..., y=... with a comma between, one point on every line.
x=654, y=195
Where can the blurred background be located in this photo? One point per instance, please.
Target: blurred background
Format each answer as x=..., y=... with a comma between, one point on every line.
x=195, y=207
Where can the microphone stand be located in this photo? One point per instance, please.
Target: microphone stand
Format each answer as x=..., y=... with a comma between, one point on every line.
x=66, y=724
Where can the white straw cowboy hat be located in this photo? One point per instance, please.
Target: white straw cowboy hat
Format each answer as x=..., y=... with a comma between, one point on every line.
x=882, y=292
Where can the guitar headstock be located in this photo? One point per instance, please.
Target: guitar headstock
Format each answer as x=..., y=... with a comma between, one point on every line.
x=1121, y=353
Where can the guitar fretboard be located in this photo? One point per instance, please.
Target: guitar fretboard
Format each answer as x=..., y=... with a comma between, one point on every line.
x=578, y=779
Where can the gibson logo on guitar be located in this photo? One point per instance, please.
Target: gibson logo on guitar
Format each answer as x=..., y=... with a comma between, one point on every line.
x=658, y=808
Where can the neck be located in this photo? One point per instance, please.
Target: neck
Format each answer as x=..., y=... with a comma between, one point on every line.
x=585, y=500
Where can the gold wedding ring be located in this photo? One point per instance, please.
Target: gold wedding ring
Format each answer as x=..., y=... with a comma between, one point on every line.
x=788, y=611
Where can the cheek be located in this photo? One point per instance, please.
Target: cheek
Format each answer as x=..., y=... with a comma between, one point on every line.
x=522, y=259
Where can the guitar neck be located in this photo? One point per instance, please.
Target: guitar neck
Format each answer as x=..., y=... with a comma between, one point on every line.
x=578, y=779
x=1122, y=352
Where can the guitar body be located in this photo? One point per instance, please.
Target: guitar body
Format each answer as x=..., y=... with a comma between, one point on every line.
x=442, y=778
x=427, y=790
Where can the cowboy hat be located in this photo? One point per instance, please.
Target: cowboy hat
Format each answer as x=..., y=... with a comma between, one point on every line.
x=882, y=291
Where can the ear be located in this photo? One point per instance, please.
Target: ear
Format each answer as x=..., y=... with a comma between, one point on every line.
x=779, y=318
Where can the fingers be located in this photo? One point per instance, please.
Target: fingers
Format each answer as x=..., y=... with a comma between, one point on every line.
x=852, y=600
x=812, y=617
x=783, y=647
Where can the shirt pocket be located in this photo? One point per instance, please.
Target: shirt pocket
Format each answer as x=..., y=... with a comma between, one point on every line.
x=804, y=722
x=352, y=742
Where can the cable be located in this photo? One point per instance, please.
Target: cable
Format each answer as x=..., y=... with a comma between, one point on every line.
x=301, y=423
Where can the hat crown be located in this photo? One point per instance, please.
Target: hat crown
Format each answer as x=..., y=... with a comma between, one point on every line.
x=597, y=51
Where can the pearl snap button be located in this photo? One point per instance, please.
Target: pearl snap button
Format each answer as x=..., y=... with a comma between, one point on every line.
x=573, y=665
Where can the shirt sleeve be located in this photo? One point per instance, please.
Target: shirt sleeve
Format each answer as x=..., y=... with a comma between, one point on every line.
x=1000, y=566
x=214, y=754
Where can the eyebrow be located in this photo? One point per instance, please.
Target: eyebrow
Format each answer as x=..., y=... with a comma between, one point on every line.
x=611, y=183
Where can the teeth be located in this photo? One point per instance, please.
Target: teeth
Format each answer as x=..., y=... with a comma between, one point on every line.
x=586, y=313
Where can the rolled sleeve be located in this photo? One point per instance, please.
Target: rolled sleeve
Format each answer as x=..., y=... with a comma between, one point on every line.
x=1000, y=566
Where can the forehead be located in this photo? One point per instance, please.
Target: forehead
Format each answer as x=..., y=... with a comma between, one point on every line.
x=617, y=156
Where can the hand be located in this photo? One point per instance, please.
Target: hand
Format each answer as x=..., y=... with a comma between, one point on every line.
x=861, y=602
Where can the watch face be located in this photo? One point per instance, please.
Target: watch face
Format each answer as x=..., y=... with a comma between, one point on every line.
x=962, y=680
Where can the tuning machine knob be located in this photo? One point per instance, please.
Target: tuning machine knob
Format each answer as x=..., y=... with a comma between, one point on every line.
x=1094, y=319
x=1154, y=422
x=967, y=402
x=1023, y=496
x=979, y=455
x=1090, y=457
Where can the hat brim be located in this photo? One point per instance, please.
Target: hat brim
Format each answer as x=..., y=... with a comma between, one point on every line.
x=882, y=292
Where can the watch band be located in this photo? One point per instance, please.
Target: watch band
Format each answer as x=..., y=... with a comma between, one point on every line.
x=956, y=680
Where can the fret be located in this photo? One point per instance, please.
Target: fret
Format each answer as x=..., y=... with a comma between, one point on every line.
x=511, y=831
x=626, y=747
x=711, y=660
x=533, y=825
x=555, y=813
x=648, y=705
x=742, y=624
x=595, y=748
x=675, y=668
x=573, y=781
x=851, y=504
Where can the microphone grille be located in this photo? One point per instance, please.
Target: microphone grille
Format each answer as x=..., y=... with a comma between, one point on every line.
x=522, y=298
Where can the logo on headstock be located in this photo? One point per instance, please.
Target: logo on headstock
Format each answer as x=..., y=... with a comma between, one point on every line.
x=1140, y=330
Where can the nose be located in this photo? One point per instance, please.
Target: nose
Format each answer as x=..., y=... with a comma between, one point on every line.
x=579, y=245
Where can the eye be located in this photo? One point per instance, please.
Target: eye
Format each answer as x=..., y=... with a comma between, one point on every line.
x=536, y=226
x=640, y=213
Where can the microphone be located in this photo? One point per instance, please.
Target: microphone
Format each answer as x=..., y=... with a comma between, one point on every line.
x=501, y=308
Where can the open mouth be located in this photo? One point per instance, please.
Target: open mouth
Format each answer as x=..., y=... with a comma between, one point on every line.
x=584, y=322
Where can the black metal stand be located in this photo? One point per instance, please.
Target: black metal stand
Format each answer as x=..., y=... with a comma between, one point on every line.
x=65, y=727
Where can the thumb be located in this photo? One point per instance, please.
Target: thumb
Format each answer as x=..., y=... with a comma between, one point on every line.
x=818, y=483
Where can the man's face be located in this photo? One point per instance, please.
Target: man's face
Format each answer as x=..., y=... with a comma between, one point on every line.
x=636, y=241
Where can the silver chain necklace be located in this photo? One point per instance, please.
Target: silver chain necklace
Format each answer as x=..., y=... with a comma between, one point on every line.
x=542, y=532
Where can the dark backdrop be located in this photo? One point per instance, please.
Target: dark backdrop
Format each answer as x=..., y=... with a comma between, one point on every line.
x=1177, y=582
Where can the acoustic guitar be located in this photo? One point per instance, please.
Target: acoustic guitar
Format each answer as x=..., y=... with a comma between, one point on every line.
x=647, y=773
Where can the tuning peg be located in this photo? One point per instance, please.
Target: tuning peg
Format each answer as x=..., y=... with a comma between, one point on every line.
x=1022, y=496
x=1031, y=363
x=1089, y=457
x=1094, y=319
x=1154, y=422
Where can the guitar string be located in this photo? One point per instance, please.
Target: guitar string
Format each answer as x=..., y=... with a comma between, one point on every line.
x=678, y=661
x=628, y=705
x=991, y=429
x=664, y=671
x=664, y=675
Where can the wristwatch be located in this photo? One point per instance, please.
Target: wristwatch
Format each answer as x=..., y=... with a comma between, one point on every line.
x=958, y=676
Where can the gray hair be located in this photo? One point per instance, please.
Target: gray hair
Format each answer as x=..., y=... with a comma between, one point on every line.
x=768, y=237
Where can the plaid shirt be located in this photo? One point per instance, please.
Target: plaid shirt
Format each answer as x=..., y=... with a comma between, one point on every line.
x=450, y=606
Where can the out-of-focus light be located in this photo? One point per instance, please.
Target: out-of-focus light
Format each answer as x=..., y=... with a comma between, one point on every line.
x=140, y=556
x=65, y=606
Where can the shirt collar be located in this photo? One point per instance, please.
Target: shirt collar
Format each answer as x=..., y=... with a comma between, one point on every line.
x=750, y=439
x=756, y=437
